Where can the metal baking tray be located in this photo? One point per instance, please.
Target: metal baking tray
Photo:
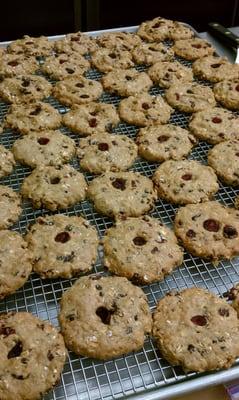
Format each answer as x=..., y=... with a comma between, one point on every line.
x=143, y=374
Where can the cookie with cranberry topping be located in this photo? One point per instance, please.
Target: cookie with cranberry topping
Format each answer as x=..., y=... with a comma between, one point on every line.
x=150, y=53
x=31, y=46
x=185, y=181
x=76, y=42
x=104, y=317
x=190, y=97
x=163, y=142
x=7, y=162
x=209, y=230
x=14, y=274
x=141, y=249
x=144, y=109
x=120, y=40
x=34, y=116
x=197, y=330
x=106, y=60
x=54, y=187
x=47, y=147
x=27, y=342
x=215, y=125
x=155, y=30
x=122, y=193
x=10, y=207
x=86, y=119
x=126, y=82
x=77, y=90
x=15, y=64
x=215, y=69
x=194, y=48
x=224, y=159
x=168, y=73
x=227, y=93
x=60, y=66
x=24, y=88
x=62, y=246
x=102, y=152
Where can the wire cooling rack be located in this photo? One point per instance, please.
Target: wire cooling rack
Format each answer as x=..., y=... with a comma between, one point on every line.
x=143, y=374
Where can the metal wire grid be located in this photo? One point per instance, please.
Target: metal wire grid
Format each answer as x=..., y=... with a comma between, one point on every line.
x=84, y=378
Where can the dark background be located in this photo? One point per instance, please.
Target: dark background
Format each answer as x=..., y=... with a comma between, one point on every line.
x=52, y=17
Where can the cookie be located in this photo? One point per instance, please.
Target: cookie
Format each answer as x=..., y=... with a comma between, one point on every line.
x=233, y=296
x=208, y=230
x=31, y=46
x=163, y=142
x=60, y=66
x=24, y=88
x=224, y=159
x=106, y=60
x=14, y=274
x=35, y=116
x=62, y=246
x=215, y=69
x=10, y=207
x=102, y=152
x=150, y=53
x=33, y=354
x=126, y=82
x=54, y=187
x=17, y=64
x=141, y=249
x=196, y=330
x=144, y=109
x=190, y=97
x=77, y=90
x=119, y=40
x=185, y=181
x=191, y=49
x=78, y=42
x=155, y=30
x=47, y=147
x=86, y=119
x=227, y=93
x=7, y=162
x=214, y=125
x=122, y=193
x=169, y=73
x=104, y=317
x=180, y=31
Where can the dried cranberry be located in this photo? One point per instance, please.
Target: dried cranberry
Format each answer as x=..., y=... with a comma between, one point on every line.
x=62, y=61
x=119, y=183
x=216, y=120
x=197, y=46
x=229, y=232
x=6, y=331
x=237, y=88
x=70, y=70
x=190, y=233
x=224, y=312
x=177, y=96
x=215, y=65
x=80, y=85
x=84, y=96
x=104, y=314
x=163, y=138
x=186, y=177
x=145, y=106
x=237, y=154
x=36, y=111
x=157, y=25
x=211, y=225
x=103, y=146
x=93, y=122
x=75, y=39
x=43, y=140
x=112, y=55
x=55, y=180
x=16, y=350
x=139, y=241
x=13, y=63
x=199, y=320
x=62, y=237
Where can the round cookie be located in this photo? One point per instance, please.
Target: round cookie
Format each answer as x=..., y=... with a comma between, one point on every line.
x=87, y=119
x=31, y=46
x=60, y=66
x=155, y=30
x=102, y=152
x=122, y=193
x=15, y=65
x=208, y=230
x=10, y=207
x=62, y=246
x=54, y=187
x=14, y=274
x=78, y=42
x=227, y=93
x=35, y=116
x=77, y=90
x=233, y=295
x=163, y=142
x=104, y=317
x=215, y=69
x=7, y=162
x=32, y=356
x=194, y=48
x=126, y=82
x=179, y=31
x=119, y=40
x=224, y=159
x=196, y=330
x=214, y=125
x=144, y=109
x=24, y=88
x=106, y=60
x=141, y=249
x=190, y=97
x=150, y=53
x=47, y=147
x=185, y=181
x=169, y=73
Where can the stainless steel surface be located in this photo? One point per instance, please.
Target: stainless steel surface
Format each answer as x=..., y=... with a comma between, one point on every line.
x=144, y=374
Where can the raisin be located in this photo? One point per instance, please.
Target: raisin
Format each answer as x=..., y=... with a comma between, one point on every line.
x=211, y=225
x=224, y=312
x=119, y=183
x=237, y=88
x=93, y=122
x=112, y=55
x=105, y=314
x=139, y=241
x=43, y=140
x=216, y=120
x=80, y=85
x=229, y=232
x=103, y=146
x=15, y=351
x=13, y=63
x=62, y=237
x=163, y=138
x=199, y=320
x=190, y=233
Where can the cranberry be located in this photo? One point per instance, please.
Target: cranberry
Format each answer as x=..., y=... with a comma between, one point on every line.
x=62, y=237
x=199, y=320
x=163, y=138
x=43, y=140
x=215, y=65
x=80, y=85
x=216, y=120
x=103, y=146
x=36, y=111
x=157, y=25
x=13, y=63
x=211, y=225
x=139, y=241
x=119, y=183
x=93, y=122
x=237, y=88
x=6, y=331
x=229, y=232
x=186, y=177
x=145, y=106
x=197, y=46
x=62, y=61
x=190, y=233
x=177, y=96
x=237, y=154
